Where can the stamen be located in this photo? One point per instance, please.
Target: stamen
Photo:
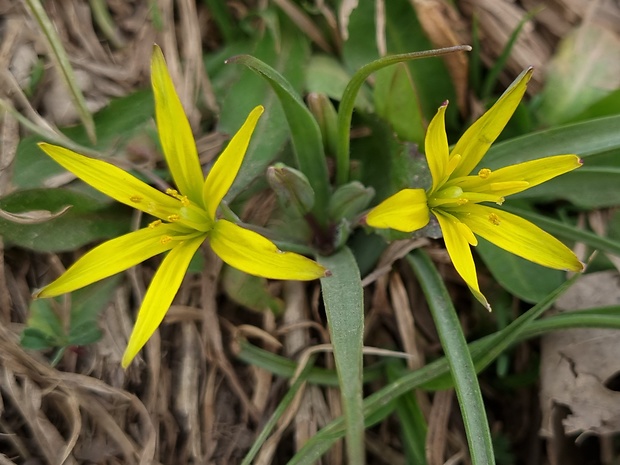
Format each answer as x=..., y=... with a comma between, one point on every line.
x=494, y=219
x=165, y=239
x=154, y=224
x=461, y=201
x=500, y=201
x=172, y=192
x=173, y=218
x=185, y=201
x=484, y=173
x=135, y=198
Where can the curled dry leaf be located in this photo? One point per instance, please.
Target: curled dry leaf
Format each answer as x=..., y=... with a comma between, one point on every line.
x=578, y=366
x=32, y=216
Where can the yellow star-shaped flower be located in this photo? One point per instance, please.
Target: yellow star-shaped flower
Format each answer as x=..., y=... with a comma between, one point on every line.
x=456, y=195
x=186, y=218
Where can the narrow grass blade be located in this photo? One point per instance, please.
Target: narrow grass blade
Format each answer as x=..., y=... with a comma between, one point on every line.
x=344, y=306
x=458, y=356
x=64, y=67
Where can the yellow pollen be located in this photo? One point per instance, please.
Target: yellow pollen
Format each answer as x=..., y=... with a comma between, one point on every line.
x=154, y=224
x=500, y=201
x=494, y=219
x=184, y=201
x=165, y=239
x=173, y=218
x=135, y=198
x=461, y=201
x=484, y=173
x=172, y=192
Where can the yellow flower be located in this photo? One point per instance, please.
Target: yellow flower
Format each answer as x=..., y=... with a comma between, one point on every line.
x=456, y=194
x=186, y=218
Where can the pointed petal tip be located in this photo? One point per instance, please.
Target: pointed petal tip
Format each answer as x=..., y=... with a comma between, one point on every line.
x=445, y=103
x=327, y=273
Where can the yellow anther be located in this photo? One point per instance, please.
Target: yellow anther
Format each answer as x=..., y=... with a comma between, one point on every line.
x=173, y=218
x=184, y=201
x=461, y=201
x=135, y=198
x=172, y=192
x=494, y=219
x=165, y=239
x=500, y=201
x=484, y=173
x=154, y=224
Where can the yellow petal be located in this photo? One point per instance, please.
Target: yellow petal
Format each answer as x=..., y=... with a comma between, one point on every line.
x=162, y=290
x=436, y=146
x=175, y=133
x=478, y=138
x=517, y=178
x=460, y=253
x=225, y=169
x=114, y=182
x=406, y=211
x=251, y=253
x=109, y=258
x=519, y=236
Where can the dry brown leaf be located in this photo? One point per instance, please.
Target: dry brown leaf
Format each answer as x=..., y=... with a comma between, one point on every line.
x=577, y=364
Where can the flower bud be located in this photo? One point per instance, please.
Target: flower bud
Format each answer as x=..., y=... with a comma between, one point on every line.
x=325, y=114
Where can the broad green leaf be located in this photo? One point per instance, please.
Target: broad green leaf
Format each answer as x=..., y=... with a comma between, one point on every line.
x=325, y=75
x=43, y=329
x=250, y=291
x=584, y=70
x=430, y=77
x=597, y=142
x=607, y=106
x=344, y=307
x=524, y=279
x=87, y=220
x=87, y=305
x=387, y=164
x=397, y=101
x=116, y=124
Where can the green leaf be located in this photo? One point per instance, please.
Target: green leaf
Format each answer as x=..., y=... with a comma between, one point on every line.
x=285, y=77
x=397, y=101
x=250, y=291
x=607, y=106
x=344, y=306
x=87, y=220
x=87, y=305
x=43, y=329
x=325, y=75
x=584, y=70
x=431, y=79
x=597, y=142
x=305, y=132
x=459, y=358
x=522, y=278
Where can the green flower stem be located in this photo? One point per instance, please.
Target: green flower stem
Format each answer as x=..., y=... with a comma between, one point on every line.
x=344, y=306
x=345, y=112
x=62, y=60
x=459, y=358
